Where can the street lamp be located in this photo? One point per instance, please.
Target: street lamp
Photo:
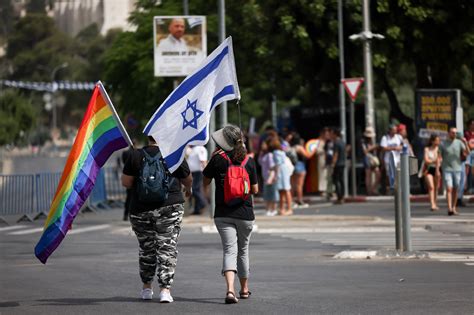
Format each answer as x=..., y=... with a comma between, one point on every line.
x=54, y=88
x=366, y=36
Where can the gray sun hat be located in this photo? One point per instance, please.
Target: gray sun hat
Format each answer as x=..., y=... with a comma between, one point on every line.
x=227, y=137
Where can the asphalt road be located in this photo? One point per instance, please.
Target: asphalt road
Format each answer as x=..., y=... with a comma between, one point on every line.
x=95, y=271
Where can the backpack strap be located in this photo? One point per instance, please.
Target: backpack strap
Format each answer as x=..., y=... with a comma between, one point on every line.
x=243, y=163
x=160, y=157
x=226, y=157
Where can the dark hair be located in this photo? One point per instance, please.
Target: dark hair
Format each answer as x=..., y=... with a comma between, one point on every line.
x=151, y=139
x=234, y=135
x=337, y=131
x=296, y=139
x=239, y=153
x=432, y=139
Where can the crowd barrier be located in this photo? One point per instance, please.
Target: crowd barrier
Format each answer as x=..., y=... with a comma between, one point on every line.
x=30, y=195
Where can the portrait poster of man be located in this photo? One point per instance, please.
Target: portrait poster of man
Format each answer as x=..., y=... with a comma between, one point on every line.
x=180, y=44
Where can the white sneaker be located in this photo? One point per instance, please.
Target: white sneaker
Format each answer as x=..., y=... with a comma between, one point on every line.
x=273, y=213
x=303, y=205
x=147, y=294
x=165, y=297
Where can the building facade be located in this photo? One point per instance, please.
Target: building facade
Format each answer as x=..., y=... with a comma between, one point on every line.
x=72, y=16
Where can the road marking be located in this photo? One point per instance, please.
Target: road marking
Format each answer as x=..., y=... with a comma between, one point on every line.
x=9, y=228
x=123, y=231
x=89, y=229
x=338, y=230
x=470, y=264
x=29, y=231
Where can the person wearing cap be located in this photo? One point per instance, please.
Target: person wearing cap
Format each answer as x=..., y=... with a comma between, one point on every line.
x=371, y=161
x=391, y=143
x=402, y=131
x=234, y=222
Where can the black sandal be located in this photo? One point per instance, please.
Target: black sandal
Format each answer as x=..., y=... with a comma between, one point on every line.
x=245, y=295
x=230, y=299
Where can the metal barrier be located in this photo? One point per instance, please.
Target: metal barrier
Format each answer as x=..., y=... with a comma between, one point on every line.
x=46, y=185
x=17, y=194
x=31, y=195
x=113, y=184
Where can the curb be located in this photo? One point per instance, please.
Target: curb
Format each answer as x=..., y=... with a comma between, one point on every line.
x=361, y=199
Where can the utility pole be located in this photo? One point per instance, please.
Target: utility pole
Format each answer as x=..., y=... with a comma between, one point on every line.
x=221, y=14
x=185, y=7
x=369, y=86
x=342, y=96
x=54, y=88
x=366, y=36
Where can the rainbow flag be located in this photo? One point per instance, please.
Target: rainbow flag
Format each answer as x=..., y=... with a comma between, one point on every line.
x=100, y=134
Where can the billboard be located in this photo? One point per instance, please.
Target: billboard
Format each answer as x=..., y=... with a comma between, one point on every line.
x=180, y=44
x=436, y=111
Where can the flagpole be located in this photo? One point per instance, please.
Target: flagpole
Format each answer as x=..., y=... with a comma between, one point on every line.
x=117, y=118
x=221, y=13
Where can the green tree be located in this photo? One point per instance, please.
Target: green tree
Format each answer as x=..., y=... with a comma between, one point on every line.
x=17, y=117
x=36, y=47
x=433, y=40
x=283, y=49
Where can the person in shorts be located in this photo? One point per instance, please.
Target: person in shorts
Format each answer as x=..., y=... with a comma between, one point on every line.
x=451, y=151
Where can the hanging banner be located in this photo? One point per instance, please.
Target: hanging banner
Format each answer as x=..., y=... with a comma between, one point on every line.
x=436, y=111
x=180, y=44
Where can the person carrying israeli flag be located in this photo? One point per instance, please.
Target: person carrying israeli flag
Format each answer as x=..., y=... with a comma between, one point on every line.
x=184, y=116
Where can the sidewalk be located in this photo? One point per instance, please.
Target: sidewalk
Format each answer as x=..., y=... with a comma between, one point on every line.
x=361, y=198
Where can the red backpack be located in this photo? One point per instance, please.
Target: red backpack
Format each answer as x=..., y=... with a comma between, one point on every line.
x=236, y=182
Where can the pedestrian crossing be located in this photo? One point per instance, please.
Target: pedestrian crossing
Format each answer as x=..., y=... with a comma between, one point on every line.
x=446, y=247
x=441, y=246
x=18, y=230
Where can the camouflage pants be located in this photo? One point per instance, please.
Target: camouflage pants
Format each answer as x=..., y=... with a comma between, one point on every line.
x=157, y=232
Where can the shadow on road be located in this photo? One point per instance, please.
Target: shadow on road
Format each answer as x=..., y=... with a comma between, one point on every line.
x=98, y=301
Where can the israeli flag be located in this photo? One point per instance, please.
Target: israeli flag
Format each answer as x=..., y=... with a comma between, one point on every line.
x=183, y=118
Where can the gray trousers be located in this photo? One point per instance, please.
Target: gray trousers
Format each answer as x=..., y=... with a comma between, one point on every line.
x=235, y=237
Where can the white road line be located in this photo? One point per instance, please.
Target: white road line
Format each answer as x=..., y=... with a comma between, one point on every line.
x=469, y=264
x=333, y=230
x=9, y=228
x=88, y=229
x=29, y=231
x=123, y=231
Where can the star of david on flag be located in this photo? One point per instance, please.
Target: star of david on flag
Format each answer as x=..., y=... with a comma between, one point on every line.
x=196, y=113
x=183, y=118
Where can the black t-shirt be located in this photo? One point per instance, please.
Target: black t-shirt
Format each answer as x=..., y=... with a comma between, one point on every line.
x=132, y=168
x=340, y=148
x=216, y=169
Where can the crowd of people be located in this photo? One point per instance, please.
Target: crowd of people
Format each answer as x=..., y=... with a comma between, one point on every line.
x=282, y=161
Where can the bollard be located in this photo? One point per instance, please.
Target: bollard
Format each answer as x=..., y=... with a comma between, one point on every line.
x=396, y=186
x=398, y=212
x=405, y=199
